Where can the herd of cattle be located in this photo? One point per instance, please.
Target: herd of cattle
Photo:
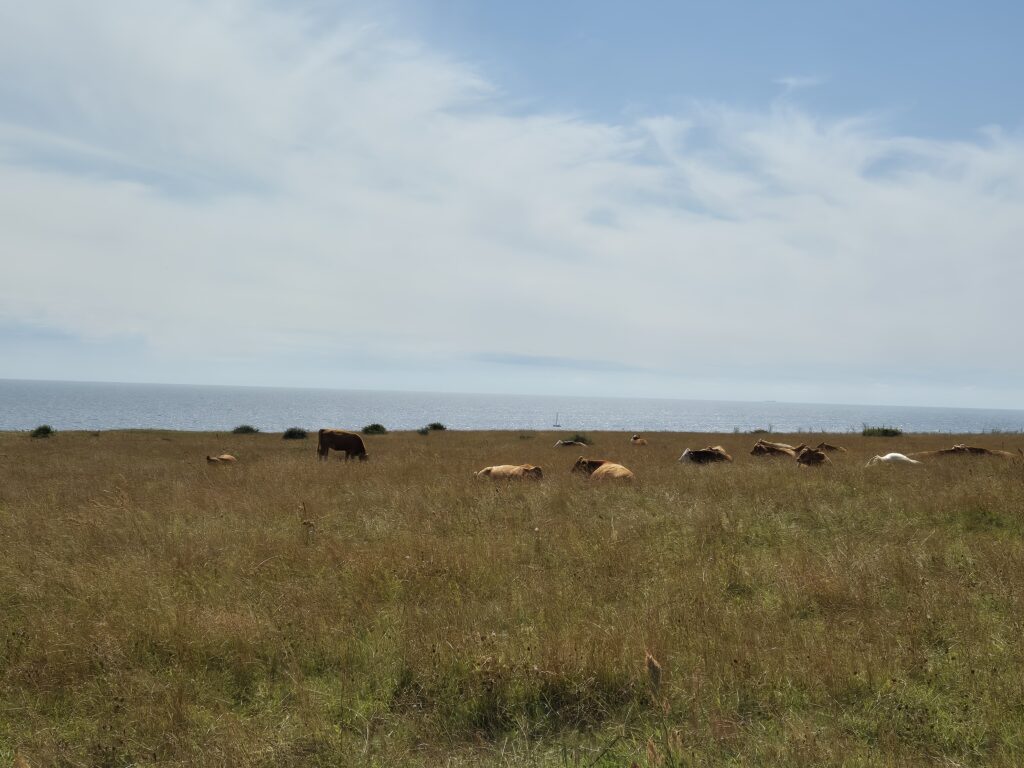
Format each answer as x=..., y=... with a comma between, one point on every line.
x=351, y=445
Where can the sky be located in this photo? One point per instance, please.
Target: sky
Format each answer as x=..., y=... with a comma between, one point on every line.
x=729, y=200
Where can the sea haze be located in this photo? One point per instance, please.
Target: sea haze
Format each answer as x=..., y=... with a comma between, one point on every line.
x=93, y=406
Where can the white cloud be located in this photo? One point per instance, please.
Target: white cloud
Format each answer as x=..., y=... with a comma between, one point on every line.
x=244, y=182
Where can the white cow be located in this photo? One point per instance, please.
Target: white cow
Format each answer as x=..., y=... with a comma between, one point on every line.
x=892, y=458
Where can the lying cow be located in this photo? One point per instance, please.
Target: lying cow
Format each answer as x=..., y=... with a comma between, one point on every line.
x=831, y=448
x=811, y=457
x=511, y=472
x=707, y=455
x=224, y=458
x=765, y=448
x=339, y=440
x=637, y=440
x=891, y=458
x=602, y=469
x=569, y=444
x=961, y=449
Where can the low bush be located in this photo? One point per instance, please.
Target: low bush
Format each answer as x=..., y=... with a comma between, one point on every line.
x=436, y=426
x=245, y=429
x=423, y=431
x=294, y=433
x=43, y=430
x=375, y=429
x=881, y=431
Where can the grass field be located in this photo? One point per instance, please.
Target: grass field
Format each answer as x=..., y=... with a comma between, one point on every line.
x=155, y=610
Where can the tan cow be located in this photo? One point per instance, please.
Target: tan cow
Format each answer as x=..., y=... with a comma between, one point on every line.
x=224, y=458
x=765, y=448
x=602, y=469
x=637, y=440
x=511, y=472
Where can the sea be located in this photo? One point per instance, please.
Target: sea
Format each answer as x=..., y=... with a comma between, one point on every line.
x=101, y=406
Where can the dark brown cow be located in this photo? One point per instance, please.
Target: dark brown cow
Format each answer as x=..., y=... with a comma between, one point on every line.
x=810, y=457
x=707, y=455
x=764, y=448
x=349, y=443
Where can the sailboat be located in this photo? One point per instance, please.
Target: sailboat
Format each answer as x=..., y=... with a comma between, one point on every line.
x=556, y=424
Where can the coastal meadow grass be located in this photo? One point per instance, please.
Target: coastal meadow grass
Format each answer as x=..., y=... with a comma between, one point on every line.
x=156, y=610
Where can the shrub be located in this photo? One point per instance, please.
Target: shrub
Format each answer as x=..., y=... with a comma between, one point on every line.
x=375, y=429
x=881, y=431
x=43, y=430
x=245, y=429
x=423, y=431
x=294, y=433
x=436, y=426
x=762, y=431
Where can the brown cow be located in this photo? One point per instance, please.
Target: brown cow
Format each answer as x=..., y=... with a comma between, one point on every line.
x=224, y=458
x=511, y=472
x=339, y=440
x=569, y=444
x=709, y=455
x=810, y=457
x=602, y=469
x=831, y=448
x=764, y=448
x=637, y=440
x=960, y=449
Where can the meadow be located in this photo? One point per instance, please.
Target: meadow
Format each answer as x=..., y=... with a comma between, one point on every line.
x=156, y=610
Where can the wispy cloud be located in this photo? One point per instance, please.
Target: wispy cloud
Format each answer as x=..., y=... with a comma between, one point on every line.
x=798, y=82
x=239, y=183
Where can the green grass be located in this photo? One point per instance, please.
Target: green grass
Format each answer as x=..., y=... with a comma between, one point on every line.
x=157, y=610
x=881, y=431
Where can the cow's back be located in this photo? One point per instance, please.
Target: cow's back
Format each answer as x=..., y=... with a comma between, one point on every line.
x=610, y=471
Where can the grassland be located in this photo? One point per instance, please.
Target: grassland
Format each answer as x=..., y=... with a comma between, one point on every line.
x=155, y=610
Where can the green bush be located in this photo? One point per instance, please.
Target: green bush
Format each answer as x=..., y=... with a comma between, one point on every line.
x=436, y=426
x=375, y=429
x=294, y=433
x=881, y=431
x=245, y=429
x=423, y=431
x=43, y=430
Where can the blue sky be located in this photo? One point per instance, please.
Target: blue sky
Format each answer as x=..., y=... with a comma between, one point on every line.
x=786, y=201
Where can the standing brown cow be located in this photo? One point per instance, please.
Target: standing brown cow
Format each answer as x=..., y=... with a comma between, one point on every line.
x=340, y=440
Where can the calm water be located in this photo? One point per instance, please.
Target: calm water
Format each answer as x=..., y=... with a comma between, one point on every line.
x=74, y=405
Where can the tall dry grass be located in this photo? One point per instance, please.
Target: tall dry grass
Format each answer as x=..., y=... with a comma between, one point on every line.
x=156, y=610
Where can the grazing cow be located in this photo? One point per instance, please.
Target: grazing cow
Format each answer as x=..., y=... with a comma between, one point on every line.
x=224, y=458
x=831, y=448
x=511, y=472
x=569, y=444
x=339, y=440
x=602, y=469
x=764, y=448
x=964, y=450
x=637, y=440
x=810, y=457
x=891, y=458
x=709, y=455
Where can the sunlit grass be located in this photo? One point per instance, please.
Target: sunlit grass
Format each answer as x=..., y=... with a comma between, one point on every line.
x=280, y=611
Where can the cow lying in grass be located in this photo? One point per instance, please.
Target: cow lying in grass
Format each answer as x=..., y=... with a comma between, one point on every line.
x=511, y=472
x=891, y=458
x=602, y=469
x=709, y=455
x=224, y=458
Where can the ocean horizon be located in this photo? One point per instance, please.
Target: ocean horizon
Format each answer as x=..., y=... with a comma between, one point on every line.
x=65, y=405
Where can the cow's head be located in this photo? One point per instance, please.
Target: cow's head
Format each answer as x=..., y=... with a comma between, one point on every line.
x=685, y=455
x=534, y=473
